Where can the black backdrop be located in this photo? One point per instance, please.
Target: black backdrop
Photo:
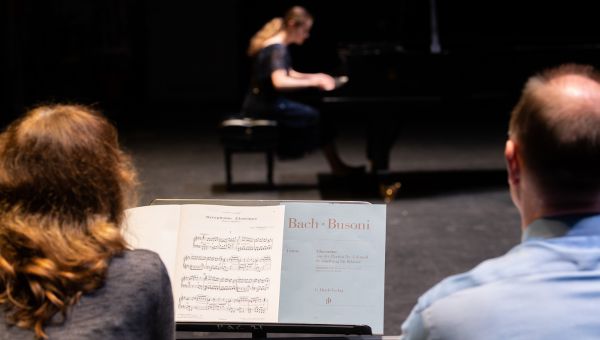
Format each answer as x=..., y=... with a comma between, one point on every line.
x=180, y=61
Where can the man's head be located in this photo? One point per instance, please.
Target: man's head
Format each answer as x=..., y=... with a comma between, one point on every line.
x=553, y=152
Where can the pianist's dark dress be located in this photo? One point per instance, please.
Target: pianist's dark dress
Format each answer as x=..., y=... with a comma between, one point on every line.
x=298, y=122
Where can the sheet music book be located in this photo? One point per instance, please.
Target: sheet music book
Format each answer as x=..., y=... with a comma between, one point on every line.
x=297, y=263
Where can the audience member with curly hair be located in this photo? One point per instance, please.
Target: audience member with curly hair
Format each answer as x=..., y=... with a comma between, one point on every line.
x=65, y=270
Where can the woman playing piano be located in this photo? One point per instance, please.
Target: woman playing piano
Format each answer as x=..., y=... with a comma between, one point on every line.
x=273, y=76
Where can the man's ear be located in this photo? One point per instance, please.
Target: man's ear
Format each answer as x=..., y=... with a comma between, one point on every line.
x=513, y=165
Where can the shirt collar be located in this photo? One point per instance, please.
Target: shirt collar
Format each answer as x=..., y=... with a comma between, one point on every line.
x=556, y=226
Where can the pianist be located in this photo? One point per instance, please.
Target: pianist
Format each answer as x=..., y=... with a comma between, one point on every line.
x=302, y=126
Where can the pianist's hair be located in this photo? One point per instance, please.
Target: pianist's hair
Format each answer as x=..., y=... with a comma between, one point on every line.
x=294, y=17
x=64, y=184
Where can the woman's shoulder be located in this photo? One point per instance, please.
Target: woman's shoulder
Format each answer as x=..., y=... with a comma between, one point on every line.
x=138, y=255
x=141, y=262
x=273, y=48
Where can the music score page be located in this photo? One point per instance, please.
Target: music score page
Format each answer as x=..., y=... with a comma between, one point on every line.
x=298, y=263
x=228, y=263
x=333, y=265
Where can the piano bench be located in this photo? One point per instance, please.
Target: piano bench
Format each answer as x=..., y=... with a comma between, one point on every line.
x=246, y=135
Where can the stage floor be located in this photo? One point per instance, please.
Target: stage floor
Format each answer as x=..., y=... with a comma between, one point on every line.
x=452, y=211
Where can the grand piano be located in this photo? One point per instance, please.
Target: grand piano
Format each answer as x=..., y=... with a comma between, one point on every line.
x=462, y=59
x=388, y=85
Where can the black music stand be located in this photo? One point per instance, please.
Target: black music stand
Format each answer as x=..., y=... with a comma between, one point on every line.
x=260, y=330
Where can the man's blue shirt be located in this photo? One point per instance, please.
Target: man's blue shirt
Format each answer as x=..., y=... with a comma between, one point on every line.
x=547, y=287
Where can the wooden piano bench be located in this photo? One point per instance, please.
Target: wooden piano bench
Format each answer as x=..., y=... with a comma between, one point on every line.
x=244, y=135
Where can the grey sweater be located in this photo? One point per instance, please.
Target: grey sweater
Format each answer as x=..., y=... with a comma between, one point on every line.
x=135, y=302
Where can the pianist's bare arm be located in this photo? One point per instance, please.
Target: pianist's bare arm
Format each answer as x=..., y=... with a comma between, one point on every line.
x=284, y=80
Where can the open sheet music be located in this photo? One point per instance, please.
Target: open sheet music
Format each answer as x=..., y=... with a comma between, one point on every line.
x=309, y=263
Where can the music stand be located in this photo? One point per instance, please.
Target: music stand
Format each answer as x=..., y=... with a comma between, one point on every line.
x=260, y=330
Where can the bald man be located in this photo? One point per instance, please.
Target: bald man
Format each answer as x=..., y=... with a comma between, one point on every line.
x=547, y=287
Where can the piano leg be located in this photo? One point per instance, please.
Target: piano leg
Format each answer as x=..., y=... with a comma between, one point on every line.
x=381, y=134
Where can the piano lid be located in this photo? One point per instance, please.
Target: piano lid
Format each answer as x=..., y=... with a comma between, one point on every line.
x=486, y=49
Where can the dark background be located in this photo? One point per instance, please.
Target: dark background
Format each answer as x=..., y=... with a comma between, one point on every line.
x=175, y=62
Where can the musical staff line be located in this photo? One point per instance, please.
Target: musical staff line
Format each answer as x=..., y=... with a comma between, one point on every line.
x=240, y=305
x=229, y=263
x=237, y=243
x=216, y=283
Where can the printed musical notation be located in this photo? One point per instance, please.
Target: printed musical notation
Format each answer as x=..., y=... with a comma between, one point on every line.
x=218, y=283
x=227, y=264
x=229, y=271
x=240, y=305
x=237, y=243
